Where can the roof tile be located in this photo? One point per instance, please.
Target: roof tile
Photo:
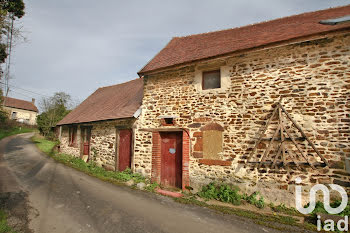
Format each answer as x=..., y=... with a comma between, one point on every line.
x=181, y=50
x=108, y=103
x=20, y=104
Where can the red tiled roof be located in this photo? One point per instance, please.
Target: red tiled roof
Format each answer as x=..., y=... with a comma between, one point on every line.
x=20, y=104
x=181, y=50
x=108, y=103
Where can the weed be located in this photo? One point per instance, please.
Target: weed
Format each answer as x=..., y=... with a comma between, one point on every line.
x=319, y=208
x=252, y=199
x=281, y=208
x=4, y=227
x=230, y=194
x=151, y=187
x=224, y=193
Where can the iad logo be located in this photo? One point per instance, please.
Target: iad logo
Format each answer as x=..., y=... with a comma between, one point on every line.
x=326, y=200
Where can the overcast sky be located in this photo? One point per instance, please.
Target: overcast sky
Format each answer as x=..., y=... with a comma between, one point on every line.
x=78, y=46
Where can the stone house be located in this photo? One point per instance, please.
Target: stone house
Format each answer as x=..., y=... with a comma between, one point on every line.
x=208, y=97
x=103, y=127
x=23, y=111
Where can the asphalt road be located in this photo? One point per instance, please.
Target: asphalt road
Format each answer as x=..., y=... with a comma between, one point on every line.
x=65, y=200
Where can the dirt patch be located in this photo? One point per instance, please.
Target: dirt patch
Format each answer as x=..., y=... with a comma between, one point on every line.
x=15, y=204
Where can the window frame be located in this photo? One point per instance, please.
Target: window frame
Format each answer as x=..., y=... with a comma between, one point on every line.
x=209, y=72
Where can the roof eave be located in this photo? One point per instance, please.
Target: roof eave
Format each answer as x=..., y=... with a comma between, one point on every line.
x=87, y=122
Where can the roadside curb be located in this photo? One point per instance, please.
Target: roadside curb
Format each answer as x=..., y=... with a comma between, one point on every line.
x=169, y=193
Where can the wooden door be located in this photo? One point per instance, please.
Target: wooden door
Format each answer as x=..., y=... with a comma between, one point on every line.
x=86, y=134
x=171, y=159
x=124, y=154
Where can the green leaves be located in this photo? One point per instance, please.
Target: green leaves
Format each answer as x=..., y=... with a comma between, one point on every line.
x=224, y=193
x=55, y=108
x=230, y=194
x=253, y=199
x=15, y=7
x=319, y=208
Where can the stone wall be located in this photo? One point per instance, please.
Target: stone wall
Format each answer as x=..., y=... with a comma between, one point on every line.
x=64, y=139
x=103, y=141
x=314, y=79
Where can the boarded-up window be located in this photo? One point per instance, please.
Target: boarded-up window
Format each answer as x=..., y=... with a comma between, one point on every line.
x=212, y=144
x=72, y=135
x=211, y=80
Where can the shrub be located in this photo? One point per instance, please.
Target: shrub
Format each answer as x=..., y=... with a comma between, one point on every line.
x=252, y=199
x=319, y=208
x=230, y=194
x=151, y=187
x=224, y=193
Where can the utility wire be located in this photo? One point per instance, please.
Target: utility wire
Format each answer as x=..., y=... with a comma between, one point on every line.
x=20, y=93
x=32, y=92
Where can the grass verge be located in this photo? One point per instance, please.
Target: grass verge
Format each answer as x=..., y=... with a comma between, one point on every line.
x=18, y=130
x=4, y=227
x=91, y=168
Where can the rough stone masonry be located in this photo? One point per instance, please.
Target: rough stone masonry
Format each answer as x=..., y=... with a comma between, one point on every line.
x=313, y=77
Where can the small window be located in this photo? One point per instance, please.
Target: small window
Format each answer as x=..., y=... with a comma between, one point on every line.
x=14, y=115
x=169, y=121
x=211, y=80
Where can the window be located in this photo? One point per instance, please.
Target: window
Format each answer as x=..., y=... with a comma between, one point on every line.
x=72, y=135
x=14, y=115
x=211, y=80
x=169, y=121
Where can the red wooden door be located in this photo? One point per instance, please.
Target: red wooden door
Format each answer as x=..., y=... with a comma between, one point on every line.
x=86, y=133
x=86, y=148
x=125, y=137
x=171, y=159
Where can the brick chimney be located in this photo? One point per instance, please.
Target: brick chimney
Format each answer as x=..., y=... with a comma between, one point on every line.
x=33, y=101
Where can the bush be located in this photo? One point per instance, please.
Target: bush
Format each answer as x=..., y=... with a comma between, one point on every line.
x=224, y=193
x=3, y=117
x=152, y=187
x=252, y=199
x=319, y=208
x=230, y=194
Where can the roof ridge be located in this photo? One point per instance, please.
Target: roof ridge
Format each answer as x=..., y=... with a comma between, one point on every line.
x=257, y=23
x=110, y=102
x=118, y=83
x=7, y=97
x=19, y=104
